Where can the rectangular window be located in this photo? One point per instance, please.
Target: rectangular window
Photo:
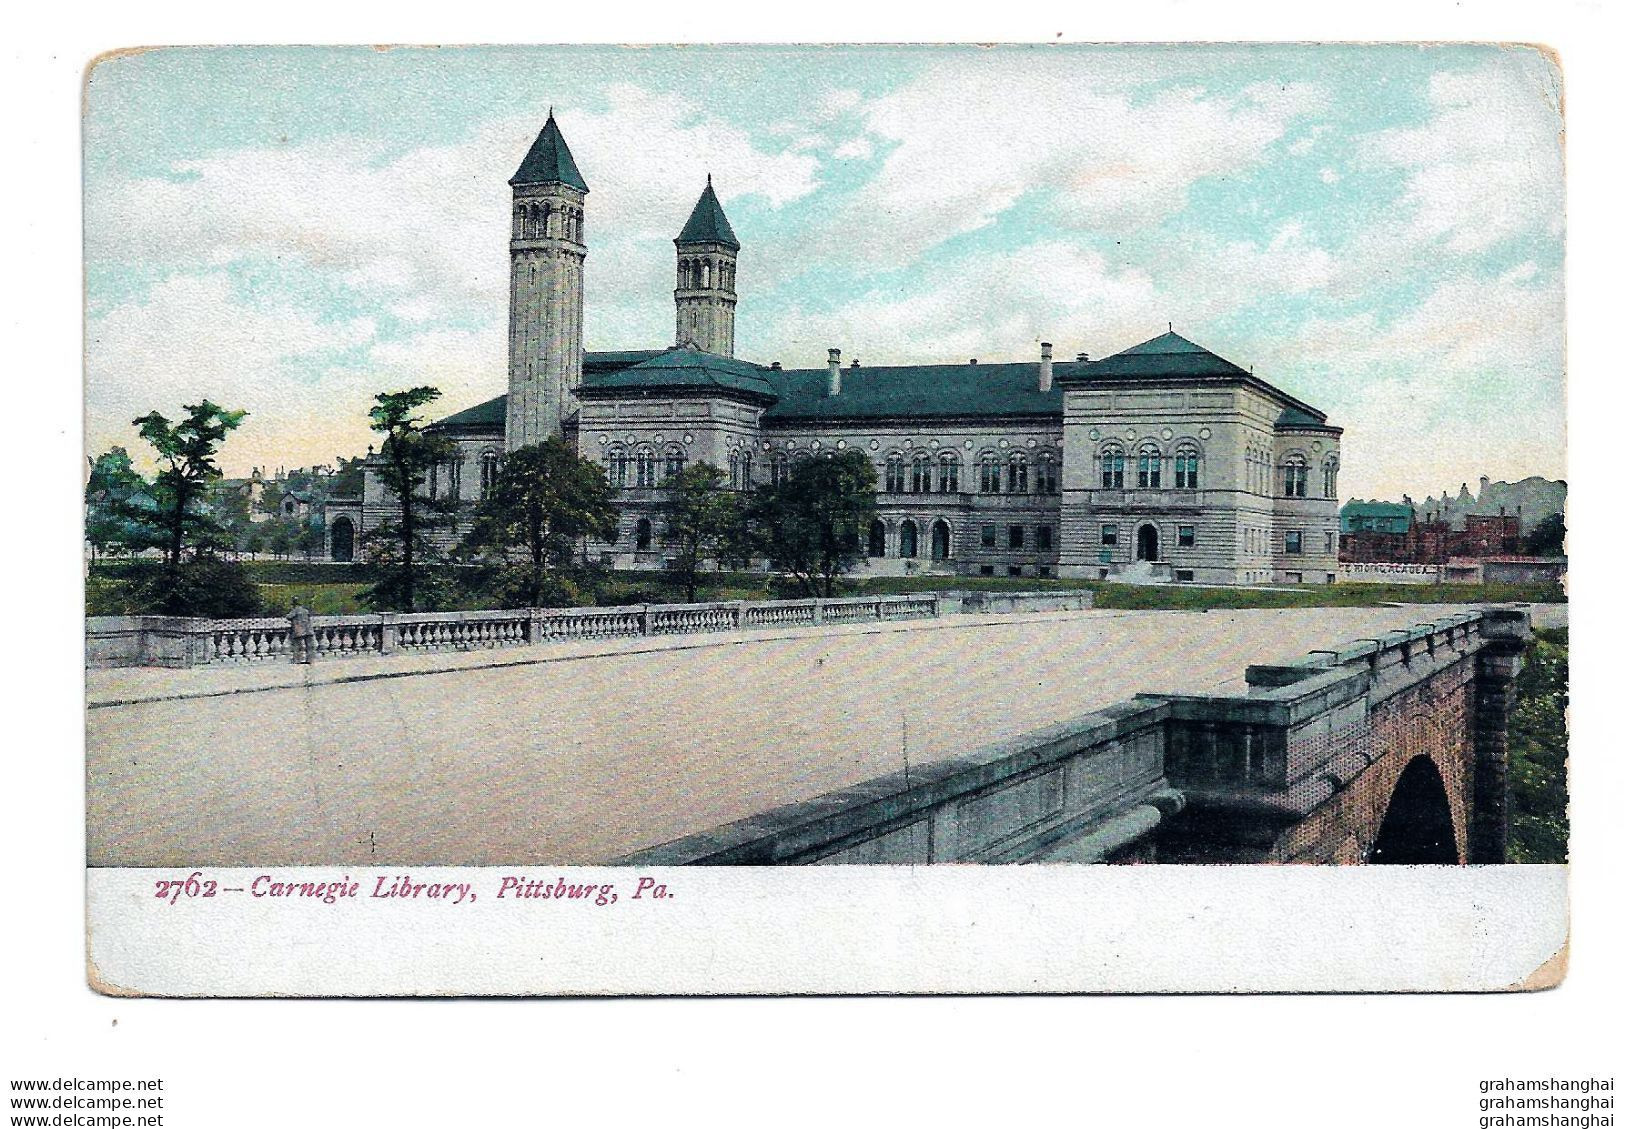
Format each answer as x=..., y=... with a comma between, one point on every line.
x=987, y=570
x=1044, y=571
x=1294, y=541
x=990, y=536
x=1184, y=575
x=1044, y=537
x=1013, y=570
x=1187, y=536
x=1018, y=536
x=1108, y=535
x=1331, y=543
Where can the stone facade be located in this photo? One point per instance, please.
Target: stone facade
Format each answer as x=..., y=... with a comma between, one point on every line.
x=1162, y=462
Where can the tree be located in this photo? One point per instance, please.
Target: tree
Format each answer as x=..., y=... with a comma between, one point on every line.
x=402, y=546
x=811, y=525
x=703, y=520
x=1547, y=538
x=186, y=453
x=546, y=500
x=119, y=509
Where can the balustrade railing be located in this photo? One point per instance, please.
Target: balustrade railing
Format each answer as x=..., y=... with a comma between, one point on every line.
x=165, y=641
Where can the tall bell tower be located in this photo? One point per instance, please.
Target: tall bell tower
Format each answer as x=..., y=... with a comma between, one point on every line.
x=707, y=253
x=546, y=254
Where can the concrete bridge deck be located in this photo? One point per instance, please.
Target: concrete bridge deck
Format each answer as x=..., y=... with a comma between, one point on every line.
x=579, y=753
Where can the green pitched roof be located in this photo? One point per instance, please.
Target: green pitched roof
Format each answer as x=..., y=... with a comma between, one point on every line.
x=706, y=223
x=549, y=160
x=1297, y=417
x=681, y=370
x=916, y=391
x=493, y=414
x=1165, y=355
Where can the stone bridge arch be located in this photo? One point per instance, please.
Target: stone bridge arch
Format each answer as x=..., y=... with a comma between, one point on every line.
x=1418, y=826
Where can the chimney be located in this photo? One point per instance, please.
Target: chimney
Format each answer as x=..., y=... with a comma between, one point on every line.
x=973, y=360
x=1083, y=358
x=776, y=366
x=1046, y=366
x=834, y=372
x=856, y=364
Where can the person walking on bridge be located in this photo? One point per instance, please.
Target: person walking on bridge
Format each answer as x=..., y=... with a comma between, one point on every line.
x=299, y=631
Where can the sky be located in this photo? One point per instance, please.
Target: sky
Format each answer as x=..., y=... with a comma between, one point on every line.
x=1376, y=230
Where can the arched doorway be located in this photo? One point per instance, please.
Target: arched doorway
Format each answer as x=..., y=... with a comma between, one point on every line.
x=908, y=540
x=939, y=540
x=343, y=539
x=1145, y=543
x=877, y=539
x=1417, y=827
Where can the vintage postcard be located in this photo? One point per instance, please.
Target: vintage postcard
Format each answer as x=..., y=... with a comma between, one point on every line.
x=1099, y=504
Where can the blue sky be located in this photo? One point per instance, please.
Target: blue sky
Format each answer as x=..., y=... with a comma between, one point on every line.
x=1377, y=230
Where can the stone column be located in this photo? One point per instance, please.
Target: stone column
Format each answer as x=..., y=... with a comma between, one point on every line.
x=1506, y=633
x=389, y=632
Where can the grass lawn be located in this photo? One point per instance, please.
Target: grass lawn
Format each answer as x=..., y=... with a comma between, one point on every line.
x=334, y=589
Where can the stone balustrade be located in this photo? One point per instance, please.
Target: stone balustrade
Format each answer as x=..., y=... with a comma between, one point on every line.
x=112, y=641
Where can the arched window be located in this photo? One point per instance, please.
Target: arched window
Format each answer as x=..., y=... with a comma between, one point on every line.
x=454, y=477
x=1186, y=462
x=705, y=274
x=908, y=540
x=1295, y=476
x=675, y=461
x=920, y=478
x=1150, y=471
x=519, y=223
x=546, y=225
x=619, y=464
x=948, y=473
x=877, y=538
x=1018, y=473
x=645, y=534
x=940, y=541
x=1328, y=474
x=1049, y=479
x=733, y=469
x=778, y=468
x=991, y=473
x=646, y=468
x=490, y=461
x=1111, y=467
x=746, y=478
x=894, y=474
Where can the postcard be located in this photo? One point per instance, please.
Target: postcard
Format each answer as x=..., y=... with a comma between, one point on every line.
x=825, y=519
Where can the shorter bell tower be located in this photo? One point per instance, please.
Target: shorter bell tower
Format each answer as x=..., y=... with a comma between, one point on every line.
x=707, y=256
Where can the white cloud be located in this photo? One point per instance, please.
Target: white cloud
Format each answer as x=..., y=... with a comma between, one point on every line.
x=1487, y=166
x=1023, y=125
x=194, y=337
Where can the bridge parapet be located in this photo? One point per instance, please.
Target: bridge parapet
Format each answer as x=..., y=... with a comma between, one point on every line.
x=112, y=641
x=1087, y=790
x=1304, y=767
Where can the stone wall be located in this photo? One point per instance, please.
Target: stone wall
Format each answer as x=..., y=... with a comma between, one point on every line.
x=1306, y=768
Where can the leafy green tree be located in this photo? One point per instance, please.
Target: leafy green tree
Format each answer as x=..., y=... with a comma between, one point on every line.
x=703, y=521
x=402, y=548
x=546, y=502
x=119, y=509
x=1547, y=537
x=1538, y=751
x=811, y=525
x=186, y=459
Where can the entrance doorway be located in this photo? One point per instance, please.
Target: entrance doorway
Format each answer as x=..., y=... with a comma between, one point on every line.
x=1145, y=543
x=343, y=539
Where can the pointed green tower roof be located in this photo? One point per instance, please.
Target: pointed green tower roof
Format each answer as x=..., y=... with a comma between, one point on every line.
x=549, y=160
x=706, y=223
